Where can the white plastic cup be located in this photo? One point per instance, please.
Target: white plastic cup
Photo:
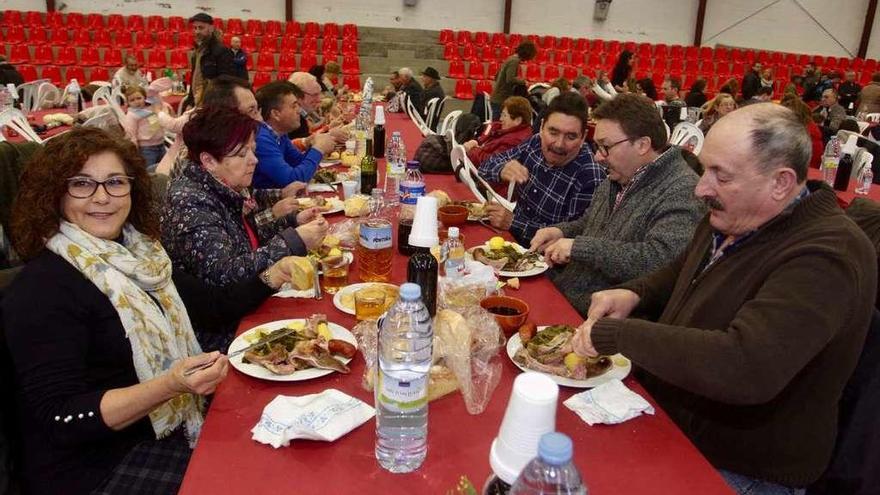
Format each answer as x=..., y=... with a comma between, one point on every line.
x=349, y=188
x=350, y=145
x=424, y=227
x=531, y=412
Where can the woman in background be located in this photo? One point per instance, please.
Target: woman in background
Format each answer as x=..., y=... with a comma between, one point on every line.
x=716, y=108
x=622, y=70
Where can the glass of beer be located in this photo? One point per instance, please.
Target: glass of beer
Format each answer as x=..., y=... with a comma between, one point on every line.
x=369, y=303
x=335, y=272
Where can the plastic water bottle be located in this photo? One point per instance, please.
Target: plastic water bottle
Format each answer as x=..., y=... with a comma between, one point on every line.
x=830, y=159
x=401, y=391
x=72, y=102
x=865, y=179
x=7, y=97
x=393, y=169
x=552, y=472
x=452, y=254
x=412, y=187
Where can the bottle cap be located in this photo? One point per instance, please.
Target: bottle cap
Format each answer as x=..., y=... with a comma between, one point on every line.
x=410, y=291
x=453, y=232
x=380, y=116
x=412, y=164
x=555, y=448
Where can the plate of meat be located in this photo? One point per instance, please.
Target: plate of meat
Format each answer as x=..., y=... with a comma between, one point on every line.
x=549, y=351
x=314, y=348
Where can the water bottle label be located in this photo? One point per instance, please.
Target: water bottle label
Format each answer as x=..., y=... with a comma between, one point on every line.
x=400, y=396
x=375, y=237
x=410, y=194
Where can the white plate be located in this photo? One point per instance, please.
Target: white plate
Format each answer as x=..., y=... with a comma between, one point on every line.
x=337, y=298
x=336, y=205
x=539, y=268
x=320, y=187
x=329, y=162
x=257, y=371
x=620, y=372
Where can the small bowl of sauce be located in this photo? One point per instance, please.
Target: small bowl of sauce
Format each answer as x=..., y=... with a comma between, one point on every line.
x=510, y=312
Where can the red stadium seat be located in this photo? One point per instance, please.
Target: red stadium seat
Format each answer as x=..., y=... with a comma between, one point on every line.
x=350, y=47
x=52, y=73
x=577, y=58
x=112, y=58
x=476, y=70
x=219, y=25
x=143, y=40
x=155, y=23
x=287, y=61
x=254, y=27
x=99, y=74
x=311, y=29
x=691, y=52
x=582, y=45
x=75, y=73
x=307, y=60
x=676, y=52
x=331, y=30
x=185, y=39
x=28, y=72
x=450, y=52
x=533, y=73
x=94, y=22
x=179, y=59
x=499, y=39
x=12, y=17
x=492, y=71
x=157, y=59
x=446, y=36
x=481, y=38
x=351, y=65
x=272, y=28
x=115, y=22
x=249, y=43
x=349, y=31
x=36, y=36
x=484, y=86
x=463, y=37
x=570, y=72
x=353, y=81
x=292, y=28
x=176, y=24
x=564, y=43
x=75, y=20
x=548, y=42
x=456, y=69
x=560, y=57
x=66, y=56
x=551, y=73
x=309, y=44
x=102, y=38
x=20, y=55
x=265, y=62
x=329, y=52
x=81, y=37
x=543, y=56
x=165, y=40
x=514, y=40
x=42, y=55
x=33, y=18
x=89, y=56
x=464, y=89
x=261, y=79
x=59, y=37
x=135, y=22
x=123, y=39
x=54, y=19
x=234, y=26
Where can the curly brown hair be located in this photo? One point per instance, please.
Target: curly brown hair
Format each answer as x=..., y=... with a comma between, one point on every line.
x=36, y=212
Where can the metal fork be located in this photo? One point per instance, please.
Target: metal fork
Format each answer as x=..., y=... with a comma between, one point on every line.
x=484, y=223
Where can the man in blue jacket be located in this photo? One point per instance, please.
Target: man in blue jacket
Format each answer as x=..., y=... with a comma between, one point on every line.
x=278, y=162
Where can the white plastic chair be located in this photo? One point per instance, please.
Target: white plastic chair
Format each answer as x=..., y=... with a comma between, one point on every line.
x=48, y=96
x=686, y=133
x=862, y=159
x=16, y=120
x=29, y=93
x=105, y=119
x=435, y=112
x=487, y=107
x=449, y=122
x=416, y=117
x=468, y=173
x=430, y=106
x=105, y=96
x=873, y=117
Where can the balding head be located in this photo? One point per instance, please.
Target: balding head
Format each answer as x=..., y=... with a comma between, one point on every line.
x=755, y=161
x=308, y=83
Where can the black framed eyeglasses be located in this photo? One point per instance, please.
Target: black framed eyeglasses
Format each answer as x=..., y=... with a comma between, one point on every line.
x=606, y=148
x=117, y=186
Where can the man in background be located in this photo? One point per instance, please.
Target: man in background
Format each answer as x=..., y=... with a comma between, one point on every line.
x=130, y=75
x=210, y=58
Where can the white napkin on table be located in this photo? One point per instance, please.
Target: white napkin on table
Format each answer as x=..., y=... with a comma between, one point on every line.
x=325, y=416
x=609, y=403
x=288, y=291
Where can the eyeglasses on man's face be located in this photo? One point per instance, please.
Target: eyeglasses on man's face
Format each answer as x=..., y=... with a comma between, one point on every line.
x=117, y=186
x=606, y=148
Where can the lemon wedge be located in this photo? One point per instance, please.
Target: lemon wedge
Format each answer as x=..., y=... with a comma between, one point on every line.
x=324, y=331
x=496, y=243
x=572, y=361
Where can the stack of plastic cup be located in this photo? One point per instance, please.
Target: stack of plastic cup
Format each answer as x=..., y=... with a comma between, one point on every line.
x=424, y=227
x=531, y=412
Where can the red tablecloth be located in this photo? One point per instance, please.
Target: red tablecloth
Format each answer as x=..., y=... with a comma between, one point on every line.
x=846, y=197
x=646, y=455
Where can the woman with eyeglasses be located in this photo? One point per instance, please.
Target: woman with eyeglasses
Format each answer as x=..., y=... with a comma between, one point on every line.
x=98, y=332
x=214, y=224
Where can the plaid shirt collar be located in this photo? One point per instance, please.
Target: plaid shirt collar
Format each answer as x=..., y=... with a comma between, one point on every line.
x=719, y=250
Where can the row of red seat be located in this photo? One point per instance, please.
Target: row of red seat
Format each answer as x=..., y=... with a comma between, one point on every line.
x=159, y=58
x=353, y=81
x=155, y=23
x=60, y=76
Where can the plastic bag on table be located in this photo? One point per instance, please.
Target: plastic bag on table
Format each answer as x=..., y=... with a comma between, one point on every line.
x=367, y=335
x=479, y=281
x=346, y=232
x=467, y=343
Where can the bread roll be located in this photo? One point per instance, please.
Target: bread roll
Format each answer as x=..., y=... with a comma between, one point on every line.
x=302, y=272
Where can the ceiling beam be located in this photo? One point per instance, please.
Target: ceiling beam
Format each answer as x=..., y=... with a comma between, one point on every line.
x=698, y=26
x=866, y=30
x=508, y=6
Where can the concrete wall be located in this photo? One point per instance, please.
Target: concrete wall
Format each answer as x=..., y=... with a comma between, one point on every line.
x=806, y=26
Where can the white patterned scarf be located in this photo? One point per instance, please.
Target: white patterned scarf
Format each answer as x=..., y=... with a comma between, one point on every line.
x=136, y=277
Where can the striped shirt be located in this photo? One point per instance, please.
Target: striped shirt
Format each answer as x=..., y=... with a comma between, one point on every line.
x=552, y=194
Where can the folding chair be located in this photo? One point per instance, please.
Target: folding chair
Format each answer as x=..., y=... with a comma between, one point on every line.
x=416, y=117
x=687, y=136
x=449, y=122
x=16, y=120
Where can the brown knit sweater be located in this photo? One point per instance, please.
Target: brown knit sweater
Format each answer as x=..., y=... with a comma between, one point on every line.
x=749, y=358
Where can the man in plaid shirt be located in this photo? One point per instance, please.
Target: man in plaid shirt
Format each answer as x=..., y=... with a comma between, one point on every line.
x=555, y=172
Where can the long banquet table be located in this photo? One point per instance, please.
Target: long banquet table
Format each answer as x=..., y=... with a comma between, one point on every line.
x=648, y=454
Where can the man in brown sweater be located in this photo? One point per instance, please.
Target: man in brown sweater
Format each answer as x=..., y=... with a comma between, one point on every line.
x=756, y=327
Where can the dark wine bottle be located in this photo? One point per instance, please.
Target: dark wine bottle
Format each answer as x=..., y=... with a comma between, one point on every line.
x=422, y=270
x=368, y=170
x=379, y=140
x=844, y=170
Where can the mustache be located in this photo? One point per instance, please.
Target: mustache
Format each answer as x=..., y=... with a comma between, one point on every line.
x=712, y=203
